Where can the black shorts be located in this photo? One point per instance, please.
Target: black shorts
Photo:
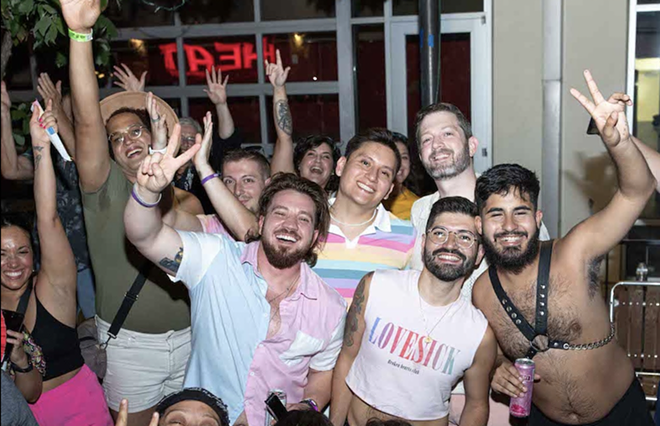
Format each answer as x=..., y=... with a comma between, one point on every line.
x=630, y=410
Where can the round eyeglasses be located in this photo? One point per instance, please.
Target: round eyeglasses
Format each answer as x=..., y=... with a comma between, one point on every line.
x=439, y=235
x=133, y=132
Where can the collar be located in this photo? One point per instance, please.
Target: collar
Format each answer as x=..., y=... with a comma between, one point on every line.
x=381, y=222
x=306, y=286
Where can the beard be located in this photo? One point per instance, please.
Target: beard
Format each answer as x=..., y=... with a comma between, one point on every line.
x=445, y=272
x=512, y=259
x=284, y=258
x=460, y=163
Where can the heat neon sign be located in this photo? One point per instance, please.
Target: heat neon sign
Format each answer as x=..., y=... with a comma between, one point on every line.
x=226, y=56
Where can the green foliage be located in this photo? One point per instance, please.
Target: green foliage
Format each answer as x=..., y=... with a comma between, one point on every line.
x=20, y=117
x=40, y=23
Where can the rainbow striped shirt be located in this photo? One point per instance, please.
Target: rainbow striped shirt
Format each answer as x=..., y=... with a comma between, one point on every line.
x=386, y=244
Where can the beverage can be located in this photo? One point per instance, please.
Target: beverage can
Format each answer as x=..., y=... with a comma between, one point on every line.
x=521, y=406
x=281, y=395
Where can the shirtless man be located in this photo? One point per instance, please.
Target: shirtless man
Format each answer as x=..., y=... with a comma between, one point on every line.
x=595, y=385
x=410, y=337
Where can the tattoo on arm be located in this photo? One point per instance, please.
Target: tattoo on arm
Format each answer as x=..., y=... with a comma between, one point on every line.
x=354, y=312
x=172, y=265
x=37, y=158
x=284, y=121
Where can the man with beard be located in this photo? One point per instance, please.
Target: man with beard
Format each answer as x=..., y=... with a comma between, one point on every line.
x=543, y=299
x=261, y=318
x=410, y=336
x=446, y=147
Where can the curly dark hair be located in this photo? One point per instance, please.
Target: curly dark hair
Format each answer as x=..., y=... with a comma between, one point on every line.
x=503, y=178
x=314, y=141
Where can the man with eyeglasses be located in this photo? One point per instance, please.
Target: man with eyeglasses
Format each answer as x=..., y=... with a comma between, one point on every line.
x=409, y=336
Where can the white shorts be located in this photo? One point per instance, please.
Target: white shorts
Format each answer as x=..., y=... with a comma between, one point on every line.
x=143, y=368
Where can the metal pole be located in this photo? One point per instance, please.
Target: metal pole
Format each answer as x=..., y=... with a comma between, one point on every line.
x=429, y=41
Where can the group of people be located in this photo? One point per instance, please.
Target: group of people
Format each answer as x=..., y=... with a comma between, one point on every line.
x=221, y=276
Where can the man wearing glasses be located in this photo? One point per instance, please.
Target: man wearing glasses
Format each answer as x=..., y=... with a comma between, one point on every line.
x=410, y=337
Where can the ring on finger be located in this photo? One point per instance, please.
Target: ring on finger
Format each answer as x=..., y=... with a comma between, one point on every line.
x=155, y=120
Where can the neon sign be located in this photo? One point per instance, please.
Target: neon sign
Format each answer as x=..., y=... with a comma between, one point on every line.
x=230, y=56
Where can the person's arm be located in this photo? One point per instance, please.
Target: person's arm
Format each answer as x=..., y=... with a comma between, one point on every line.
x=476, y=381
x=58, y=272
x=13, y=166
x=238, y=219
x=596, y=235
x=652, y=158
x=355, y=325
x=187, y=202
x=48, y=90
x=217, y=93
x=282, y=160
x=127, y=80
x=92, y=154
x=30, y=382
x=144, y=226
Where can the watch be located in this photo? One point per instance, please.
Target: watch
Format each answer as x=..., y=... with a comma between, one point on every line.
x=18, y=369
x=312, y=404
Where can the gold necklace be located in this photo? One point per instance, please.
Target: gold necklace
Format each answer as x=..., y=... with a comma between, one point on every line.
x=354, y=224
x=428, y=338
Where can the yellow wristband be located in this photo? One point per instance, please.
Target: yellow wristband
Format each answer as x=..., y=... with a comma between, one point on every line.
x=81, y=37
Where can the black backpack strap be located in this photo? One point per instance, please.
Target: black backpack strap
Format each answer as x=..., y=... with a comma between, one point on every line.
x=511, y=310
x=130, y=298
x=542, y=284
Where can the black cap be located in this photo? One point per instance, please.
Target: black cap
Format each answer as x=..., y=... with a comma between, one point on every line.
x=195, y=394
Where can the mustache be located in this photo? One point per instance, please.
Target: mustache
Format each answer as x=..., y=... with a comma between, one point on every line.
x=441, y=151
x=288, y=233
x=511, y=234
x=449, y=251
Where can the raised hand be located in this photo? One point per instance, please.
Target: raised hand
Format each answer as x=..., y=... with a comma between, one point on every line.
x=122, y=417
x=157, y=170
x=201, y=159
x=127, y=80
x=158, y=123
x=217, y=89
x=38, y=126
x=608, y=114
x=276, y=72
x=81, y=15
x=5, y=99
x=48, y=90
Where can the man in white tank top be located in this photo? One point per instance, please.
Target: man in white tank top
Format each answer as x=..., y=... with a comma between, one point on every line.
x=409, y=337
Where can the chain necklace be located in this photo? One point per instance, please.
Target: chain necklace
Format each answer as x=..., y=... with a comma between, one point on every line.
x=354, y=224
x=284, y=293
x=428, y=338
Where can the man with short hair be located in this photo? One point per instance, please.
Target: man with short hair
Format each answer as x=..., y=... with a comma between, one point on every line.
x=543, y=299
x=262, y=319
x=364, y=236
x=410, y=336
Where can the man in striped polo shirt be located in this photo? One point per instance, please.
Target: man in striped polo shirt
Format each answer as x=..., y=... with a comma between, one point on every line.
x=364, y=236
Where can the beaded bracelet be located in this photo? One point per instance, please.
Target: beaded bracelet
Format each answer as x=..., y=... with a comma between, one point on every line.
x=81, y=37
x=209, y=177
x=141, y=202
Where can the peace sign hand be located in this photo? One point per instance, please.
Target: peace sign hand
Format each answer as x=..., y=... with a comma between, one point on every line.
x=157, y=170
x=276, y=72
x=608, y=115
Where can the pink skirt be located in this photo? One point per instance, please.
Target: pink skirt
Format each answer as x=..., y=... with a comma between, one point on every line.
x=77, y=402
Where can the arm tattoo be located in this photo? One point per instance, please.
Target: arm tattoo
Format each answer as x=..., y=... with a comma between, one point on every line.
x=284, y=121
x=37, y=158
x=354, y=311
x=172, y=265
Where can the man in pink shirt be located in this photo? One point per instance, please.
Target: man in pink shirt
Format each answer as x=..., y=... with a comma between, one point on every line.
x=261, y=318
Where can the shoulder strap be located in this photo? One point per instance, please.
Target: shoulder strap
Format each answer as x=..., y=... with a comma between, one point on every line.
x=25, y=298
x=130, y=298
x=542, y=284
x=511, y=311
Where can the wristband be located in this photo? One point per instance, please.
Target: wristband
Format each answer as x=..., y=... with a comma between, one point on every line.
x=312, y=404
x=83, y=38
x=141, y=202
x=159, y=151
x=18, y=369
x=209, y=177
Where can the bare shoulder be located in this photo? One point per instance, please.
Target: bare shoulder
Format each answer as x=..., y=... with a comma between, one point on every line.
x=480, y=291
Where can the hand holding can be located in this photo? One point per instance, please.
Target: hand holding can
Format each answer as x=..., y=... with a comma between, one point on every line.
x=521, y=406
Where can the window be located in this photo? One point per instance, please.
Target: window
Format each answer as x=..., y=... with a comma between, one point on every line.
x=235, y=56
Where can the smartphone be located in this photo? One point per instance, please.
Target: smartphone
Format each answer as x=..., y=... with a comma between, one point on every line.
x=14, y=322
x=275, y=407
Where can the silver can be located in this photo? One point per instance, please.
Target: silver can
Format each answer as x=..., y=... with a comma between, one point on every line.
x=281, y=395
x=521, y=406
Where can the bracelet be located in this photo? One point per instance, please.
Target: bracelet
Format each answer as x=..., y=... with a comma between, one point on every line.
x=83, y=38
x=140, y=201
x=18, y=369
x=209, y=177
x=312, y=404
x=159, y=151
